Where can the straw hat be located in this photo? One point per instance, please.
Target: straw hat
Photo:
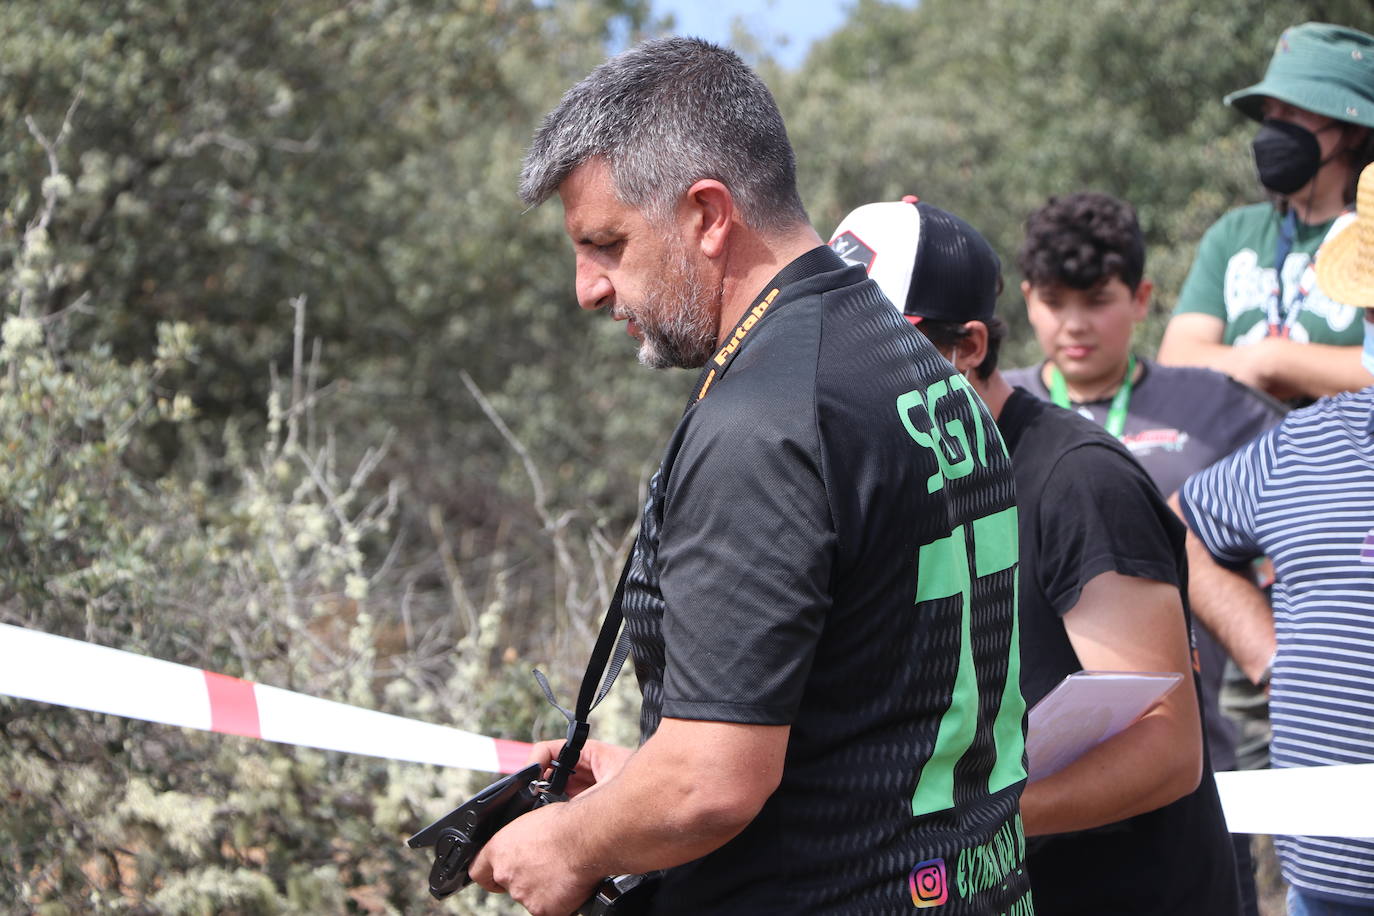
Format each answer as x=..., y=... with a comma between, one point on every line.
x=1345, y=264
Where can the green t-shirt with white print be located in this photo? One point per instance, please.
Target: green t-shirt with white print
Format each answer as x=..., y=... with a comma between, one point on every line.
x=1233, y=278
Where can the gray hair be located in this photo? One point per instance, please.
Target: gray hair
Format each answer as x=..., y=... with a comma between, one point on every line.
x=664, y=115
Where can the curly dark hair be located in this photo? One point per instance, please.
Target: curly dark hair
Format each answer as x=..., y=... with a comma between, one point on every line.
x=1083, y=239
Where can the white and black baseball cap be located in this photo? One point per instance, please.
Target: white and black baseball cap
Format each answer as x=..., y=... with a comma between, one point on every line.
x=929, y=262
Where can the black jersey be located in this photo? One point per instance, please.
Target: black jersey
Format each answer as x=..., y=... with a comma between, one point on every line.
x=830, y=543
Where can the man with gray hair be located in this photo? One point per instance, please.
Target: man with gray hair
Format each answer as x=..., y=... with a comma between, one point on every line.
x=821, y=598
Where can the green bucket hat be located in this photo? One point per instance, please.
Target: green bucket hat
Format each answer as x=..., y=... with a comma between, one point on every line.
x=1325, y=69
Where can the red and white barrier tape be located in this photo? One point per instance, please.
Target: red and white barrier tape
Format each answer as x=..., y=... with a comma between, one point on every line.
x=1311, y=801
x=68, y=672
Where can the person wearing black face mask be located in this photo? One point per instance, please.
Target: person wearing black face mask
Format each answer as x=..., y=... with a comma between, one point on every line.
x=1276, y=329
x=1287, y=155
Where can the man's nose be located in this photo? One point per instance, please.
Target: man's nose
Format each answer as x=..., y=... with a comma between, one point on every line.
x=594, y=288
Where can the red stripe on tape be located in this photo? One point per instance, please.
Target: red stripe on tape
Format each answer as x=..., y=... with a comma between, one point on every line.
x=511, y=755
x=233, y=705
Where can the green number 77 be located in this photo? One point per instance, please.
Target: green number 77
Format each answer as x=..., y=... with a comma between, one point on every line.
x=943, y=572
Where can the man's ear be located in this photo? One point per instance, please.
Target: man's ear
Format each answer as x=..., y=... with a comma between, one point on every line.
x=707, y=214
x=1140, y=300
x=1026, y=292
x=972, y=348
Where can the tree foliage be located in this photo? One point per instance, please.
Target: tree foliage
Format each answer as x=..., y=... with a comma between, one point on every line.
x=185, y=477
x=988, y=107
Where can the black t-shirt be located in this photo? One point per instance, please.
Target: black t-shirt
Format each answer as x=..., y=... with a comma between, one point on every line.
x=830, y=544
x=1086, y=508
x=1181, y=420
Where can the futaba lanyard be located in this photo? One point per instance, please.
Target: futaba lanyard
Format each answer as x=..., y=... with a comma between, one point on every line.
x=816, y=261
x=1121, y=401
x=722, y=357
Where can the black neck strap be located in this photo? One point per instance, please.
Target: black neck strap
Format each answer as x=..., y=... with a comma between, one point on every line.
x=608, y=656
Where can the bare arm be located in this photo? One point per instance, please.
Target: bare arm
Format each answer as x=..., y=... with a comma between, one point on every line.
x=1286, y=368
x=1231, y=605
x=1280, y=367
x=1195, y=339
x=687, y=791
x=1123, y=623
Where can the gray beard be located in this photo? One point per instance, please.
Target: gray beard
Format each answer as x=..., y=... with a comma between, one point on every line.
x=676, y=320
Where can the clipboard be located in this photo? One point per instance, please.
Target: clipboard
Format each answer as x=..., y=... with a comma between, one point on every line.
x=1087, y=708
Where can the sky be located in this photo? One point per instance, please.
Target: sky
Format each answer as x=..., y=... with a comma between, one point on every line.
x=796, y=22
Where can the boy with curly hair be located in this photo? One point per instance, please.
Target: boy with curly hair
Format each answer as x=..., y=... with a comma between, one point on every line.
x=1083, y=263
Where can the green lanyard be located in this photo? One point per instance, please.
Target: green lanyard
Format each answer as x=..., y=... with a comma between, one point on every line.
x=1121, y=402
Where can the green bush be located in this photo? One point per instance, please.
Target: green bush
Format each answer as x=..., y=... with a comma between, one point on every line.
x=265, y=558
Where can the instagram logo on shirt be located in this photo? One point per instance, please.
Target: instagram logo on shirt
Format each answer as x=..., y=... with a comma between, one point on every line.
x=929, y=886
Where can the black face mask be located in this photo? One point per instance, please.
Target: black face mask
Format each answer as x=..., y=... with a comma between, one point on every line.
x=1287, y=156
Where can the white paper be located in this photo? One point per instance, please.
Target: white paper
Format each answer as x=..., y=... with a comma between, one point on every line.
x=1086, y=709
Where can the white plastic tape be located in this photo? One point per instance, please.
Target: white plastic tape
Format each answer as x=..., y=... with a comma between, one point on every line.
x=1308, y=801
x=68, y=672
x=1300, y=801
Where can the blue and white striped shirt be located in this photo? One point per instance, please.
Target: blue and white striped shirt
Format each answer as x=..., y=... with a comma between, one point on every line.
x=1303, y=494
